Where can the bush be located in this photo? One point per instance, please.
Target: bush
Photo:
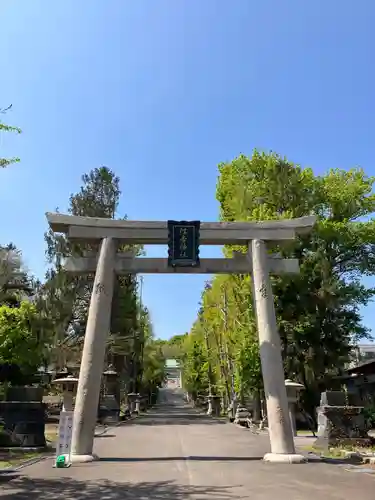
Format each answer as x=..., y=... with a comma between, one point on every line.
x=369, y=413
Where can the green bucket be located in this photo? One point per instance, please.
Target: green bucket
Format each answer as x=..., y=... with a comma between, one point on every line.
x=61, y=462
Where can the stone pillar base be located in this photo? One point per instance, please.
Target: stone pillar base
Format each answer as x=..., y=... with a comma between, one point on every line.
x=82, y=459
x=284, y=458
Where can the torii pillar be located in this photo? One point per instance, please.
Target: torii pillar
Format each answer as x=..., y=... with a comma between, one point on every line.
x=280, y=431
x=92, y=363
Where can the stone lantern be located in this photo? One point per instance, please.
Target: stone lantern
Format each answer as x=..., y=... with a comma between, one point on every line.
x=138, y=400
x=134, y=402
x=69, y=388
x=110, y=380
x=213, y=405
x=109, y=406
x=293, y=390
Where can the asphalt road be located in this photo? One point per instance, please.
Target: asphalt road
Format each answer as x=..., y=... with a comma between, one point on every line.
x=175, y=453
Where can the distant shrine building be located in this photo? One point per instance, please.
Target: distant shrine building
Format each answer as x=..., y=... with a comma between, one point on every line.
x=173, y=373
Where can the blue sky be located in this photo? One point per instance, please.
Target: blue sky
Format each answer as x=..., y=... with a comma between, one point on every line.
x=161, y=92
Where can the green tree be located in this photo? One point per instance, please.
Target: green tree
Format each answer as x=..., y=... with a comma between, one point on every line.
x=174, y=347
x=318, y=310
x=98, y=197
x=152, y=360
x=20, y=343
x=195, y=368
x=5, y=162
x=15, y=283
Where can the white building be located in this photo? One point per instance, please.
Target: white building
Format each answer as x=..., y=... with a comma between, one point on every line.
x=173, y=373
x=363, y=352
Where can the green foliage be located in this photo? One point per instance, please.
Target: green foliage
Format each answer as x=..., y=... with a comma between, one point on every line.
x=174, y=347
x=67, y=297
x=61, y=302
x=318, y=310
x=369, y=414
x=247, y=364
x=20, y=343
x=153, y=365
x=99, y=195
x=15, y=283
x=5, y=162
x=196, y=379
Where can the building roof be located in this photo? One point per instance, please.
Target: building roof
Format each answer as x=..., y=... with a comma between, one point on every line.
x=172, y=363
x=366, y=367
x=366, y=347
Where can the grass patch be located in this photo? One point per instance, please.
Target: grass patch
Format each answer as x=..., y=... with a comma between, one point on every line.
x=339, y=453
x=14, y=458
x=332, y=453
x=305, y=433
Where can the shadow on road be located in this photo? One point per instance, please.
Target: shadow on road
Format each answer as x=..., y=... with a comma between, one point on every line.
x=69, y=489
x=104, y=436
x=175, y=419
x=175, y=412
x=182, y=459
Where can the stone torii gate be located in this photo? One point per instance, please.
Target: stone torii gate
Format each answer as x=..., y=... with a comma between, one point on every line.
x=184, y=259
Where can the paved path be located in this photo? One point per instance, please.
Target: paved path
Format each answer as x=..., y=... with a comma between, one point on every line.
x=173, y=453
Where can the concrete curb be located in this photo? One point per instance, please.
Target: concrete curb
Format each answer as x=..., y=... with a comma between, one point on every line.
x=113, y=426
x=26, y=463
x=342, y=462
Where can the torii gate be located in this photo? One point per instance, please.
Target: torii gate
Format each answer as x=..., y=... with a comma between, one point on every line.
x=183, y=258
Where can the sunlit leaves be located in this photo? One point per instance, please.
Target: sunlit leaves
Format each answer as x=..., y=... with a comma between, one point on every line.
x=20, y=342
x=5, y=162
x=318, y=311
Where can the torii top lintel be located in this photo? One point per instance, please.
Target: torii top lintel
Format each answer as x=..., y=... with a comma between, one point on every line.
x=154, y=232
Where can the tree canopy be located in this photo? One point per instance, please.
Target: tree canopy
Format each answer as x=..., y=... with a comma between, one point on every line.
x=67, y=297
x=318, y=311
x=20, y=343
x=60, y=302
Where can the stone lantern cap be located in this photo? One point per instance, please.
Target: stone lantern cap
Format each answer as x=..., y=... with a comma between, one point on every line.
x=292, y=390
x=69, y=380
x=110, y=371
x=295, y=385
x=133, y=396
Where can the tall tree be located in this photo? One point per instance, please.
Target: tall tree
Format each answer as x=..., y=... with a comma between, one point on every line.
x=318, y=311
x=15, y=283
x=67, y=295
x=98, y=197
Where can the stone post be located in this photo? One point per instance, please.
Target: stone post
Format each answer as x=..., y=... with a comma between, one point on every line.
x=292, y=391
x=132, y=396
x=281, y=437
x=97, y=329
x=67, y=401
x=216, y=405
x=209, y=409
x=138, y=404
x=292, y=417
